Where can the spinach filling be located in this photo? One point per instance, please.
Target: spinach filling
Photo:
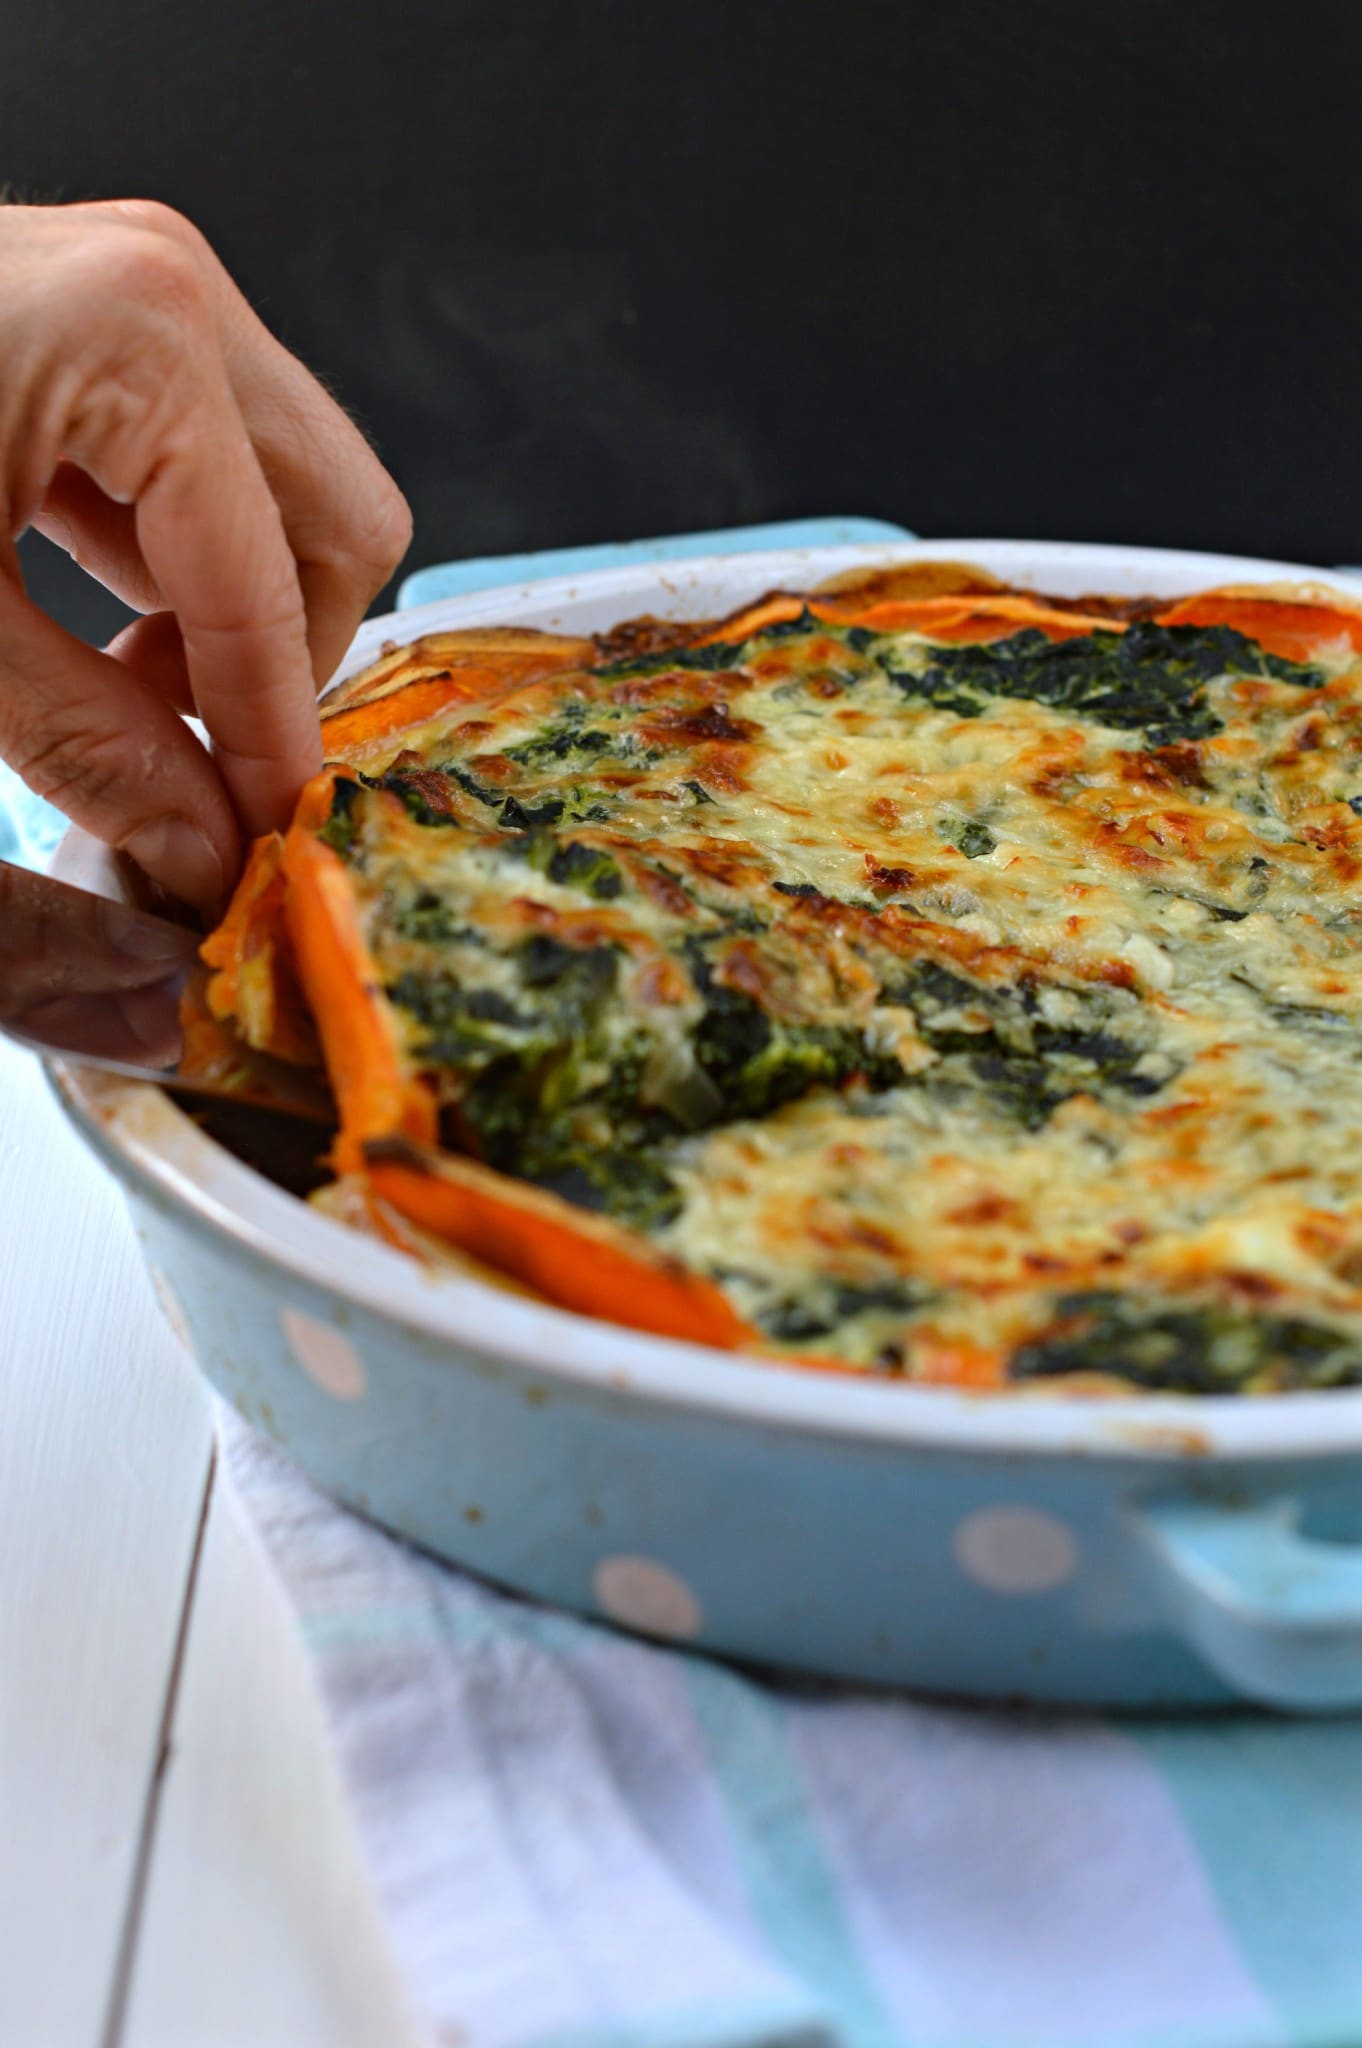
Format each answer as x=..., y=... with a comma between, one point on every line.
x=540, y=1078
x=425, y=795
x=570, y=1121
x=469, y=784
x=976, y=841
x=556, y=1082
x=756, y=1063
x=972, y=838
x=568, y=734
x=428, y=918
x=624, y=1182
x=1149, y=678
x=1026, y=1063
x=1194, y=1350
x=341, y=829
x=718, y=655
x=828, y=1305
x=1311, y=1018
x=572, y=864
x=563, y=991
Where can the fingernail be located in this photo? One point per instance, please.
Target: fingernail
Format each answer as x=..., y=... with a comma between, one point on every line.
x=135, y=937
x=178, y=856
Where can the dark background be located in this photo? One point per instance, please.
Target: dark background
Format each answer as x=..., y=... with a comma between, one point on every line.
x=1074, y=268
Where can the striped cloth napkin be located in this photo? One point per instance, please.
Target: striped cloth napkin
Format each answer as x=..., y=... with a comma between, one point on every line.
x=584, y=1841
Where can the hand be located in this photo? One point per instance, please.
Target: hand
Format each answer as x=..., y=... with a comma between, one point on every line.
x=152, y=427
x=81, y=974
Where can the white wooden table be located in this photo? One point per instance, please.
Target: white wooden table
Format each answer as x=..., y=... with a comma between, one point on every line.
x=177, y=1865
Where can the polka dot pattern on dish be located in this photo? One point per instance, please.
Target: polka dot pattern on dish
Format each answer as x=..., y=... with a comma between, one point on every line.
x=325, y=1355
x=1015, y=1550
x=647, y=1596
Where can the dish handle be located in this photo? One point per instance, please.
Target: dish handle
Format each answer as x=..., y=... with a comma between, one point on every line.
x=1275, y=1613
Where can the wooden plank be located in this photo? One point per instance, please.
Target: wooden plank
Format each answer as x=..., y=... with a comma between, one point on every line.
x=104, y=1455
x=259, y=1924
x=235, y=1905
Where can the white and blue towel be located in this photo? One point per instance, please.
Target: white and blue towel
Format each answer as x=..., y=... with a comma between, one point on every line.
x=583, y=1841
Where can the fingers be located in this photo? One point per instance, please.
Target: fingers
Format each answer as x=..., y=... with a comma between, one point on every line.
x=58, y=943
x=98, y=534
x=139, y=1027
x=157, y=427
x=85, y=733
x=152, y=649
x=345, y=520
x=347, y=523
x=211, y=535
x=149, y=423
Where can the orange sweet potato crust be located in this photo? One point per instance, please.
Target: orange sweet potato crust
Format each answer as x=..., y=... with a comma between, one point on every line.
x=580, y=1261
x=1281, y=623
x=255, y=984
x=376, y=1094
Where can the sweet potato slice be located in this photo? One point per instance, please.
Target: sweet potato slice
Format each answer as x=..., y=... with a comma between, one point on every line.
x=375, y=1093
x=353, y=1200
x=953, y=1363
x=982, y=615
x=414, y=684
x=255, y=983
x=985, y=617
x=1297, y=621
x=365, y=735
x=509, y=650
x=902, y=580
x=774, y=610
x=316, y=800
x=213, y=1053
x=569, y=1256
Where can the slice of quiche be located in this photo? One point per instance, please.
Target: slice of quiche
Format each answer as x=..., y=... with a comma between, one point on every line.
x=916, y=977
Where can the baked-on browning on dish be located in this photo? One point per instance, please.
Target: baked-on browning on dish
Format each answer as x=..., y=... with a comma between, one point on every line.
x=918, y=977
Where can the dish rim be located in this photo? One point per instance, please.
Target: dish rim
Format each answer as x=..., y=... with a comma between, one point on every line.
x=152, y=1144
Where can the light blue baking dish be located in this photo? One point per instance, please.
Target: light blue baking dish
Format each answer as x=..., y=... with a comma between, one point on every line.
x=1144, y=1552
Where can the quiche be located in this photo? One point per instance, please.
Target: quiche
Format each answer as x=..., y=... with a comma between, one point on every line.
x=916, y=977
